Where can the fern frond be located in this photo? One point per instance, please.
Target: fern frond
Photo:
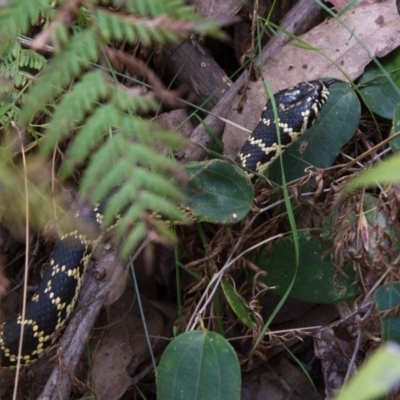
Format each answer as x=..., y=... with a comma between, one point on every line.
x=17, y=18
x=123, y=167
x=84, y=18
x=29, y=58
x=8, y=112
x=16, y=69
x=133, y=100
x=85, y=96
x=116, y=204
x=165, y=207
x=159, y=30
x=100, y=122
x=173, y=8
x=73, y=107
x=80, y=52
x=96, y=127
x=135, y=155
x=142, y=170
x=8, y=72
x=17, y=62
x=148, y=132
x=136, y=234
x=107, y=119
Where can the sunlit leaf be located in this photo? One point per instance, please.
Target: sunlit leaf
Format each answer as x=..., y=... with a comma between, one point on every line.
x=385, y=172
x=376, y=377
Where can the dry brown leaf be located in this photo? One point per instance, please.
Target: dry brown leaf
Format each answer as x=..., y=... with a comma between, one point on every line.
x=282, y=381
x=218, y=9
x=176, y=120
x=123, y=347
x=113, y=355
x=109, y=374
x=339, y=4
x=335, y=355
x=338, y=54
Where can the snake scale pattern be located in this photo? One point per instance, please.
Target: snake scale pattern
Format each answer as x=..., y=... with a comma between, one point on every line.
x=52, y=304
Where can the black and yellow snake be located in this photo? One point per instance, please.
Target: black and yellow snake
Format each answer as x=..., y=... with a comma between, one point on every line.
x=54, y=301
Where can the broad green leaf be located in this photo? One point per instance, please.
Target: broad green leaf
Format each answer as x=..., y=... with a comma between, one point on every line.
x=237, y=303
x=376, y=377
x=218, y=192
x=395, y=143
x=386, y=172
x=317, y=281
x=378, y=92
x=319, y=146
x=387, y=297
x=199, y=365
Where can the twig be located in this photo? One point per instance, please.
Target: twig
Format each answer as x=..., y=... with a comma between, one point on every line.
x=170, y=98
x=212, y=287
x=66, y=14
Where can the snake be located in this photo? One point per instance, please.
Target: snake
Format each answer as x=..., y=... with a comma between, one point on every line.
x=283, y=120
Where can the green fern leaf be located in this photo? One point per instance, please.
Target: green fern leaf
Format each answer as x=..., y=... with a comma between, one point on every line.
x=135, y=175
x=118, y=202
x=34, y=60
x=115, y=177
x=102, y=120
x=112, y=25
x=106, y=119
x=23, y=59
x=135, y=236
x=17, y=18
x=157, y=183
x=96, y=127
x=84, y=96
x=129, y=102
x=80, y=52
x=173, y=8
x=136, y=155
x=20, y=80
x=119, y=27
x=148, y=132
x=14, y=67
x=166, y=208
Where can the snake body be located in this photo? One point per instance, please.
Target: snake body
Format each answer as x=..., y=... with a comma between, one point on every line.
x=297, y=108
x=53, y=302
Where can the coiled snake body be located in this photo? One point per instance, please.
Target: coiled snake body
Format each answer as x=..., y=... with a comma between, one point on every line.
x=53, y=302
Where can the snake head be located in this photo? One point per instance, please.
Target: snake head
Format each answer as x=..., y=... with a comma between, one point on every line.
x=296, y=110
x=302, y=98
